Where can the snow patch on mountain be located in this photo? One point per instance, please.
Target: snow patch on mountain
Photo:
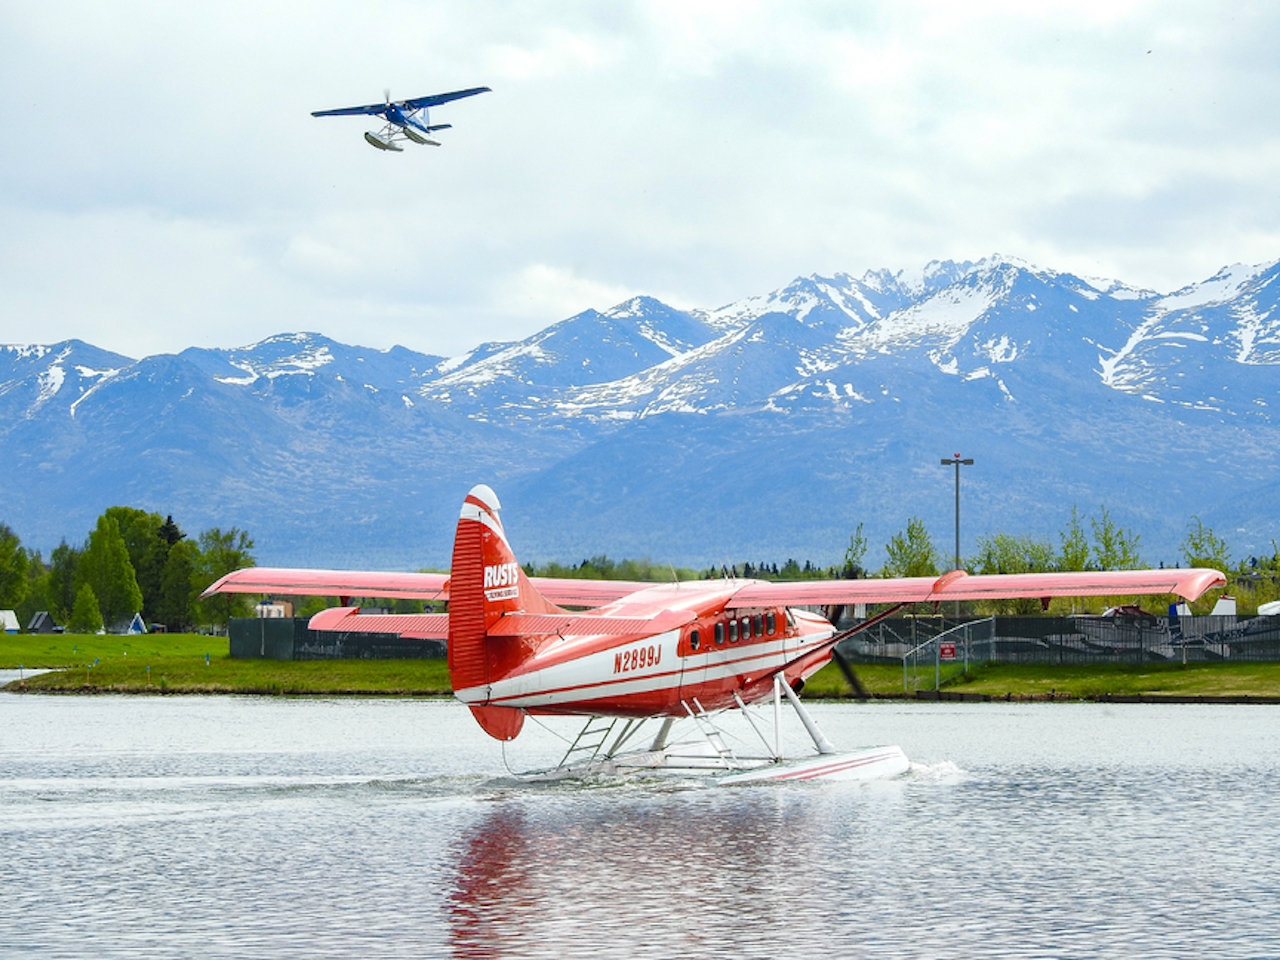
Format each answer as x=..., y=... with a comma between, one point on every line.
x=1224, y=285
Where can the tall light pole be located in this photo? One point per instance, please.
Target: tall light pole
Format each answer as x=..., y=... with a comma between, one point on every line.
x=968, y=463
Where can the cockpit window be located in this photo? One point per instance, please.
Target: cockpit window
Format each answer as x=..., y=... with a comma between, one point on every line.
x=720, y=633
x=694, y=640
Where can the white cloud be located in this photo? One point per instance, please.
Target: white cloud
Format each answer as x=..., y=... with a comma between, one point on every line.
x=540, y=291
x=703, y=149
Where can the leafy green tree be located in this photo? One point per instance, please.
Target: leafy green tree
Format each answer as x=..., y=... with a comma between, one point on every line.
x=106, y=568
x=855, y=555
x=1114, y=548
x=1006, y=553
x=175, y=604
x=13, y=569
x=1202, y=548
x=1074, y=552
x=85, y=615
x=148, y=538
x=220, y=553
x=911, y=553
x=62, y=581
x=138, y=529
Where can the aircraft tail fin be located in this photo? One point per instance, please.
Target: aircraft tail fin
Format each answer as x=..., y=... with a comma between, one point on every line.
x=486, y=583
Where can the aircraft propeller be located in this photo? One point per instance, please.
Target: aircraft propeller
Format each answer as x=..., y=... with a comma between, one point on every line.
x=846, y=668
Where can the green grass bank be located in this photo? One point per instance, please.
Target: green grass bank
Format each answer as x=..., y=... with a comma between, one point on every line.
x=110, y=664
x=177, y=665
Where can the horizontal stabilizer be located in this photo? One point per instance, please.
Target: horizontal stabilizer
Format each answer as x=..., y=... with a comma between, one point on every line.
x=413, y=626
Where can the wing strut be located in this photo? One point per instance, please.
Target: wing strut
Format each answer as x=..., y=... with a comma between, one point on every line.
x=819, y=738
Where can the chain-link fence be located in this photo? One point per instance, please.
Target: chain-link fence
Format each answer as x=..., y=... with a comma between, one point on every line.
x=934, y=648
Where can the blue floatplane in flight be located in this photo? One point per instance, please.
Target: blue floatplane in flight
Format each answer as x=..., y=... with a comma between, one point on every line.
x=406, y=119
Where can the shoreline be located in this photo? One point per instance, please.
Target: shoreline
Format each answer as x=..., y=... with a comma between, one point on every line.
x=918, y=696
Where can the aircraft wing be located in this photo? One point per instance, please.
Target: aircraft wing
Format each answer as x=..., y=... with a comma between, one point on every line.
x=586, y=593
x=438, y=98
x=435, y=626
x=333, y=583
x=373, y=108
x=958, y=585
x=414, y=586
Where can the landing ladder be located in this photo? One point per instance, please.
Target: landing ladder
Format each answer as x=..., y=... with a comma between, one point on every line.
x=712, y=734
x=590, y=740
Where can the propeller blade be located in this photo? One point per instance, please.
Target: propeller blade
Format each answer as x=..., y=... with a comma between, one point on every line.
x=847, y=669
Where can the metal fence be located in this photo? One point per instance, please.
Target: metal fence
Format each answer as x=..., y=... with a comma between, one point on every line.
x=287, y=638
x=932, y=649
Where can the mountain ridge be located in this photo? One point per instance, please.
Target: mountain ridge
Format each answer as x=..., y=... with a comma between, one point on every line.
x=642, y=426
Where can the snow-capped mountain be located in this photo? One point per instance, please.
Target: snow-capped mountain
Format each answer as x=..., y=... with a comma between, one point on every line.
x=764, y=428
x=519, y=380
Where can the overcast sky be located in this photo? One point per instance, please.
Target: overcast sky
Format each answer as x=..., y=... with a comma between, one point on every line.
x=163, y=185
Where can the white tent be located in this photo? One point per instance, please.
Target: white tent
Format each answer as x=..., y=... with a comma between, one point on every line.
x=9, y=621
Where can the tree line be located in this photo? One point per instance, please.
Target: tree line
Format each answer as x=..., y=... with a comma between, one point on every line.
x=1095, y=542
x=132, y=562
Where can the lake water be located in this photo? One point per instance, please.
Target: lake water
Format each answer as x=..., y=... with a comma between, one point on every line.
x=219, y=827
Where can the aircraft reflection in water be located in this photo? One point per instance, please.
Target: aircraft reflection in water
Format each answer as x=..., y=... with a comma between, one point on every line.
x=653, y=652
x=570, y=868
x=406, y=120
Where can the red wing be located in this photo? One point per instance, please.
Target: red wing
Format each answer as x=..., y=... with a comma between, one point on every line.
x=333, y=583
x=958, y=585
x=414, y=586
x=435, y=626
x=586, y=593
x=586, y=624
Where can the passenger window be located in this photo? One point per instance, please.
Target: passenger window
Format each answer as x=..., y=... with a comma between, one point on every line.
x=720, y=632
x=694, y=640
x=746, y=628
x=771, y=623
x=733, y=631
x=757, y=626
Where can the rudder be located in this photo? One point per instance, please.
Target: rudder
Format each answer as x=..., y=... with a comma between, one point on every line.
x=485, y=583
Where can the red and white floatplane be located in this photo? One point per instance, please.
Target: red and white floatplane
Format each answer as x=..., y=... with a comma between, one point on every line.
x=635, y=656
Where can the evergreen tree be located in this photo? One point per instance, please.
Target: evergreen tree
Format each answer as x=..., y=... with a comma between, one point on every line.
x=106, y=568
x=37, y=589
x=13, y=569
x=62, y=581
x=175, y=605
x=85, y=615
x=912, y=553
x=146, y=538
